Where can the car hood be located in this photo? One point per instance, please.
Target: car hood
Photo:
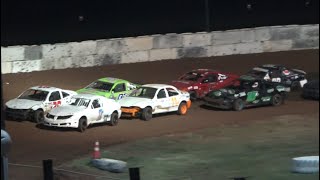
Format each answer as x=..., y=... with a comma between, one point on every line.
x=22, y=103
x=66, y=110
x=94, y=91
x=135, y=101
x=181, y=84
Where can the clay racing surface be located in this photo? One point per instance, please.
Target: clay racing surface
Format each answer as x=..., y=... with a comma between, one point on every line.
x=32, y=144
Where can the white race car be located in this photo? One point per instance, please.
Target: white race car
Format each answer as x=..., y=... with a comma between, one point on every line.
x=35, y=102
x=153, y=99
x=84, y=109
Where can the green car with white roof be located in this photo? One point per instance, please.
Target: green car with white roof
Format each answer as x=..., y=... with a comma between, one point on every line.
x=109, y=87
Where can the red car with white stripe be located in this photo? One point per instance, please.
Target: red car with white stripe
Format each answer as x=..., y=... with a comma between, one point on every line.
x=199, y=82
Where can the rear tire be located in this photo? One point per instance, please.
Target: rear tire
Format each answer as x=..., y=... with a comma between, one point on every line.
x=182, y=109
x=277, y=100
x=82, y=124
x=295, y=86
x=146, y=114
x=193, y=96
x=113, y=119
x=39, y=116
x=238, y=105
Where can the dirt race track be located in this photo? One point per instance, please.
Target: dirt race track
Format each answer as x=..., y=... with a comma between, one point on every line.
x=31, y=144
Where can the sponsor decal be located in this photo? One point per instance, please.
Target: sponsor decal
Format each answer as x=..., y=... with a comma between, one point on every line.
x=270, y=90
x=242, y=94
x=217, y=93
x=221, y=77
x=195, y=87
x=264, y=99
x=276, y=79
x=100, y=113
x=56, y=104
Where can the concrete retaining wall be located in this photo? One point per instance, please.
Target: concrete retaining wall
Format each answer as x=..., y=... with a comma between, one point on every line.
x=16, y=59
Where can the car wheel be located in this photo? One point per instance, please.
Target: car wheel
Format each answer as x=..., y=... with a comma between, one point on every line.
x=113, y=119
x=238, y=105
x=183, y=108
x=277, y=100
x=39, y=116
x=193, y=96
x=146, y=114
x=82, y=125
x=295, y=86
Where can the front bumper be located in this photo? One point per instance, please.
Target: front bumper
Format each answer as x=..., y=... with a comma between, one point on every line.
x=18, y=113
x=69, y=123
x=218, y=103
x=130, y=111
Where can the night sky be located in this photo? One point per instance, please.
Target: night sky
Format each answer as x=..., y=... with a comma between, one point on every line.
x=51, y=21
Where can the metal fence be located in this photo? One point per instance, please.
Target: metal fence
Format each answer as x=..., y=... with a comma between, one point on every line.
x=38, y=22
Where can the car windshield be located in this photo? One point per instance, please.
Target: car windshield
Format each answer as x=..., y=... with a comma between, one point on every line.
x=99, y=85
x=144, y=92
x=80, y=102
x=33, y=94
x=191, y=76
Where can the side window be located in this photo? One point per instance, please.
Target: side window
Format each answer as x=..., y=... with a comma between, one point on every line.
x=172, y=92
x=96, y=104
x=210, y=78
x=55, y=96
x=161, y=94
x=64, y=94
x=120, y=88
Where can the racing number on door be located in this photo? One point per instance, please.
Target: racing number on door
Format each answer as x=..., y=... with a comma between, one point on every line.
x=174, y=101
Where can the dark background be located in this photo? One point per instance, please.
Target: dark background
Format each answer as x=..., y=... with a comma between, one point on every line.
x=51, y=21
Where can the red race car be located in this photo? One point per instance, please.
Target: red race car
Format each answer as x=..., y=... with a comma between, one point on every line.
x=201, y=81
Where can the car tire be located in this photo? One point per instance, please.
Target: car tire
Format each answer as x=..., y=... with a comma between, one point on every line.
x=193, y=95
x=39, y=116
x=82, y=126
x=277, y=100
x=182, y=109
x=146, y=114
x=113, y=119
x=238, y=105
x=295, y=86
x=306, y=164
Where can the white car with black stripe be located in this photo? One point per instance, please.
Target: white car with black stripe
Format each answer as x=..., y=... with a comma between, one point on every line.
x=84, y=110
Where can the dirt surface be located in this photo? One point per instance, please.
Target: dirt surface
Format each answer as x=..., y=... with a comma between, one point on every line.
x=32, y=144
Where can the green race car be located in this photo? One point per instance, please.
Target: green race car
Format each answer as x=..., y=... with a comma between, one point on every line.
x=109, y=87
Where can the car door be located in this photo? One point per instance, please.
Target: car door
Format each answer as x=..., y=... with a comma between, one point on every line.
x=208, y=84
x=66, y=98
x=54, y=100
x=162, y=101
x=174, y=97
x=119, y=91
x=97, y=111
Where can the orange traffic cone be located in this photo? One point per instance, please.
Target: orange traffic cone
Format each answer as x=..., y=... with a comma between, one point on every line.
x=96, y=152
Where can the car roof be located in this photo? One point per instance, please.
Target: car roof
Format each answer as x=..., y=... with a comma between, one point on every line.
x=271, y=66
x=158, y=86
x=111, y=80
x=249, y=77
x=45, y=88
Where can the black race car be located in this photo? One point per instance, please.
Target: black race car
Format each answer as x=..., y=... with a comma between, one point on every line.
x=311, y=90
x=292, y=78
x=251, y=91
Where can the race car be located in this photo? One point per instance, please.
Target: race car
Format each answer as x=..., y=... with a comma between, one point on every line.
x=293, y=78
x=152, y=99
x=311, y=90
x=109, y=87
x=36, y=101
x=199, y=82
x=251, y=91
x=84, y=109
